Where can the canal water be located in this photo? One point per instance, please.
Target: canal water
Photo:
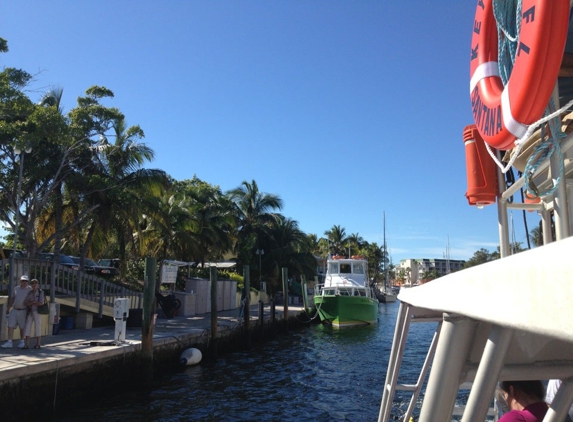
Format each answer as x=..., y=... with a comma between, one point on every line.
x=317, y=374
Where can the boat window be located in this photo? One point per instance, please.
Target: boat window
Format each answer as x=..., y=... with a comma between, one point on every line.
x=329, y=292
x=344, y=292
x=333, y=268
x=345, y=269
x=358, y=268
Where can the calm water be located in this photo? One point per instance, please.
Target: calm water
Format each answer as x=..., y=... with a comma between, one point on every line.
x=318, y=374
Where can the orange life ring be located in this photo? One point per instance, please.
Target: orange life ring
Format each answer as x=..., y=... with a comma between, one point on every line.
x=502, y=114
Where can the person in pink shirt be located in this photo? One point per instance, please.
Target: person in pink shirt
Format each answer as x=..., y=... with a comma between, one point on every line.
x=525, y=401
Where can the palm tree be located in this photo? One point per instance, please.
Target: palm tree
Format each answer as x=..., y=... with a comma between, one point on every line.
x=536, y=236
x=355, y=243
x=287, y=247
x=110, y=183
x=253, y=211
x=336, y=237
x=375, y=256
x=167, y=226
x=211, y=212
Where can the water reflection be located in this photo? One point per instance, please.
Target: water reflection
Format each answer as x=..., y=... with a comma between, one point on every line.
x=318, y=374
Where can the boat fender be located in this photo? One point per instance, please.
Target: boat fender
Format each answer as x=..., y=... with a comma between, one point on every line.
x=502, y=114
x=480, y=169
x=190, y=357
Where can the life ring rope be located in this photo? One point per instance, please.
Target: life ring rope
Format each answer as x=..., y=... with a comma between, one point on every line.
x=519, y=142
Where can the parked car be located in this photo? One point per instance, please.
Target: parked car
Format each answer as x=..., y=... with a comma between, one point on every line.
x=6, y=253
x=92, y=267
x=65, y=260
x=109, y=262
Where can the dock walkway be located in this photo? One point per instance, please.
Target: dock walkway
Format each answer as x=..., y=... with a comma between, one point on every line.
x=80, y=346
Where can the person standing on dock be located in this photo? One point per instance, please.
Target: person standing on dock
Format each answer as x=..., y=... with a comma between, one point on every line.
x=34, y=299
x=18, y=312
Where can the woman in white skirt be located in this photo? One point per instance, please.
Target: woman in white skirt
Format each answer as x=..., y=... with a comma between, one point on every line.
x=34, y=299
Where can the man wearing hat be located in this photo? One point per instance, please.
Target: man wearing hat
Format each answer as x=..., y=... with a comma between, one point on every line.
x=17, y=312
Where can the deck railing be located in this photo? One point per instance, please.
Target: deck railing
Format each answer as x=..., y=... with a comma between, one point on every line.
x=61, y=282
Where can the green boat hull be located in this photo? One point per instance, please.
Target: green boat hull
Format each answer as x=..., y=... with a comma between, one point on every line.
x=346, y=311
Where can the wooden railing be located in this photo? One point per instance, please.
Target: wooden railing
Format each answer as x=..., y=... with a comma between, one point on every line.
x=87, y=291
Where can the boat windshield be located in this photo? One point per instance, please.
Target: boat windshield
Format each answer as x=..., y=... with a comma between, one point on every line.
x=358, y=268
x=346, y=268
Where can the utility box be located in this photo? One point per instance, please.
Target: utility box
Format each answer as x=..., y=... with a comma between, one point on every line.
x=187, y=303
x=121, y=309
x=84, y=320
x=202, y=289
x=120, y=314
x=54, y=318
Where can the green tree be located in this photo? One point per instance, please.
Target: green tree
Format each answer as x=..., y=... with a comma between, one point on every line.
x=253, y=212
x=354, y=243
x=286, y=246
x=43, y=132
x=376, y=261
x=481, y=256
x=536, y=236
x=113, y=178
x=211, y=211
x=336, y=237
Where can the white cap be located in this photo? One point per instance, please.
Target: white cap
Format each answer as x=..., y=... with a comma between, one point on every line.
x=24, y=278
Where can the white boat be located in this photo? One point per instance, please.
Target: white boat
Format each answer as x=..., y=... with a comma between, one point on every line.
x=346, y=299
x=509, y=319
x=386, y=293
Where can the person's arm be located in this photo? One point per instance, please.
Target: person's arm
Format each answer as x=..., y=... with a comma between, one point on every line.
x=10, y=303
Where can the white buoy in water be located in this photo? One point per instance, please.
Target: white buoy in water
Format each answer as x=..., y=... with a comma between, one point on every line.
x=190, y=356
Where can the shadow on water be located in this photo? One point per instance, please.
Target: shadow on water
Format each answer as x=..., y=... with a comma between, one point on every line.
x=317, y=374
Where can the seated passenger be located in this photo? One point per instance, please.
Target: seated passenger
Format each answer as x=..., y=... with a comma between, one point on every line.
x=525, y=401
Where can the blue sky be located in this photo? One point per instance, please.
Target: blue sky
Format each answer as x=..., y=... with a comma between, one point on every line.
x=345, y=109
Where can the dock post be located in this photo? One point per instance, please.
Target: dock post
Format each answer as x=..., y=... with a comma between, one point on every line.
x=262, y=318
x=304, y=293
x=148, y=319
x=247, y=312
x=285, y=295
x=273, y=317
x=213, y=278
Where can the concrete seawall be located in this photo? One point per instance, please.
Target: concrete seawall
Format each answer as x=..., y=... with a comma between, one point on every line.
x=79, y=365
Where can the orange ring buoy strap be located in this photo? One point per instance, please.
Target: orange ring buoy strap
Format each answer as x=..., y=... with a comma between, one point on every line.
x=502, y=114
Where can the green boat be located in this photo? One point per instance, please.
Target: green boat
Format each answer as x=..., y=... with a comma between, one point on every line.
x=345, y=299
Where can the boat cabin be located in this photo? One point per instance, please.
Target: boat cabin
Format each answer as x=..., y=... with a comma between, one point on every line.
x=346, y=273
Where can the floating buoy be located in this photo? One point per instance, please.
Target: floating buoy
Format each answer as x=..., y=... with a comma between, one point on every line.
x=480, y=168
x=190, y=357
x=502, y=113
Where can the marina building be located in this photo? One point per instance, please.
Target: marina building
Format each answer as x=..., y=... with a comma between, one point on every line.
x=416, y=268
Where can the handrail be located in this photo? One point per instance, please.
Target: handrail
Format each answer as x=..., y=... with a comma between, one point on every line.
x=66, y=282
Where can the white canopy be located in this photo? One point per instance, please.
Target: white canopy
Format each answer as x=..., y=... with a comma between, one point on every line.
x=530, y=291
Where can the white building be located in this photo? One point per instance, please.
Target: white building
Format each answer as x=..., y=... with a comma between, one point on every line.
x=418, y=267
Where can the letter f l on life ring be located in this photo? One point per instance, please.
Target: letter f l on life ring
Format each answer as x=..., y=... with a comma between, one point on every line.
x=502, y=114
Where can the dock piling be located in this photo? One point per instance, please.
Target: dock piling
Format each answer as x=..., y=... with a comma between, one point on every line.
x=213, y=278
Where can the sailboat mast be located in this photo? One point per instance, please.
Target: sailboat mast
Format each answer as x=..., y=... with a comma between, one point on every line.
x=385, y=257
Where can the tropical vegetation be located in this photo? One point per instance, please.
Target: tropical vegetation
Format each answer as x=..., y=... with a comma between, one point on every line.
x=78, y=183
